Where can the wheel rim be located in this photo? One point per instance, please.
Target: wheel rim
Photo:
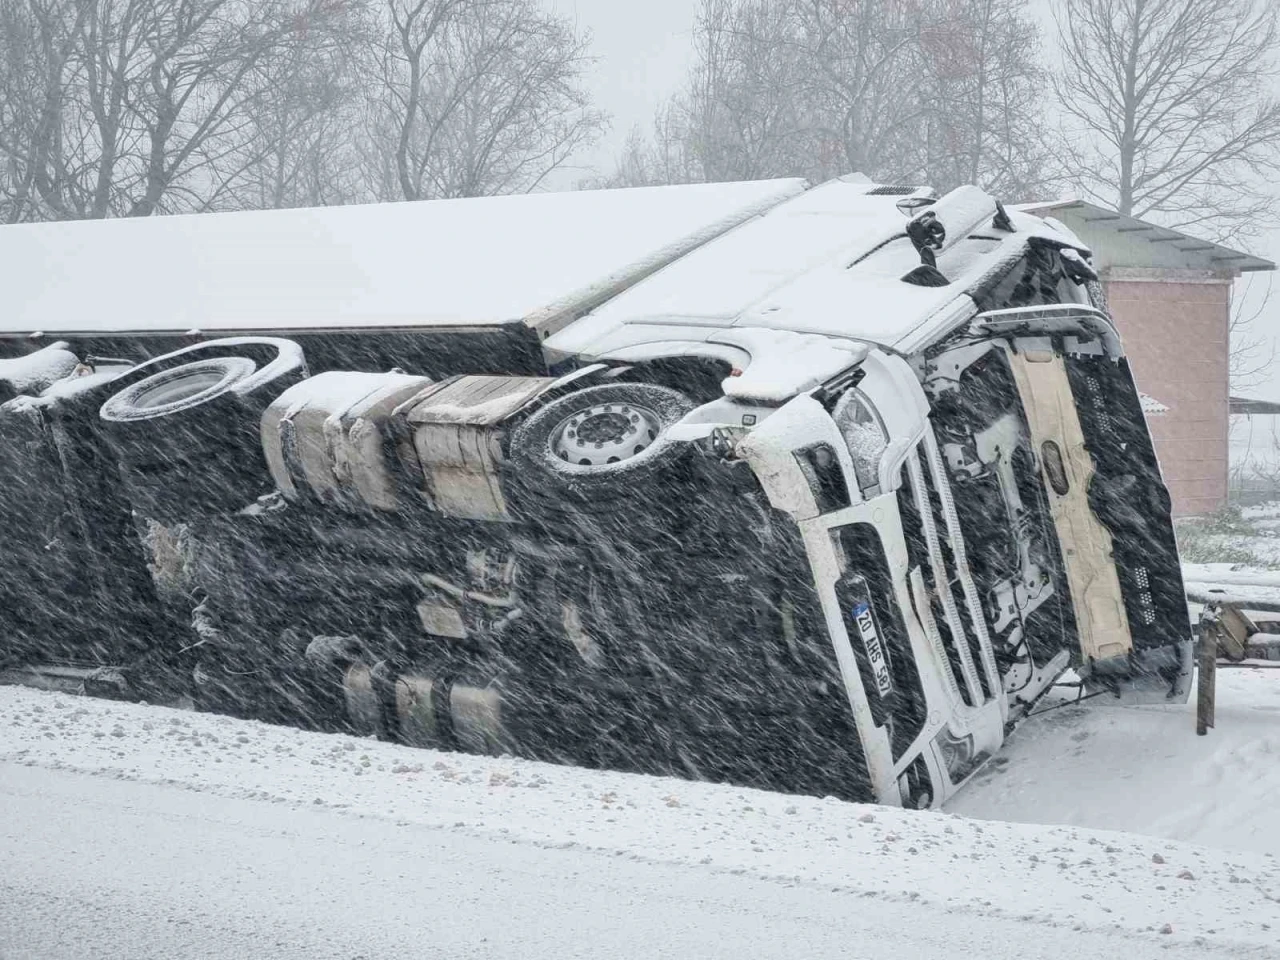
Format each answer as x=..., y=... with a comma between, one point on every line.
x=605, y=433
x=178, y=388
x=173, y=390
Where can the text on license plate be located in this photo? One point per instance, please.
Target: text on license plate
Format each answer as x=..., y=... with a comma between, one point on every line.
x=866, y=622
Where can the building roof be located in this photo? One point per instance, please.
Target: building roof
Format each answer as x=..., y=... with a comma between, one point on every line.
x=1243, y=405
x=1123, y=241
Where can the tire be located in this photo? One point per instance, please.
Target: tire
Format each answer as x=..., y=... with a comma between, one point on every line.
x=616, y=432
x=185, y=427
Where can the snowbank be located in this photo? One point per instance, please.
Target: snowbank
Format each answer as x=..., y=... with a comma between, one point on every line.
x=1063, y=877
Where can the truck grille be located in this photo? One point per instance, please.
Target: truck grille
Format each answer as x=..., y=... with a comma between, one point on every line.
x=878, y=636
x=949, y=570
x=913, y=530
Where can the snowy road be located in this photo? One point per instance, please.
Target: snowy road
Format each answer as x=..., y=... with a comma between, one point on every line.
x=129, y=831
x=119, y=869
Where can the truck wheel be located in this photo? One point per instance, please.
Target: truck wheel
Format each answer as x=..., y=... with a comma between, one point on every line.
x=602, y=441
x=184, y=427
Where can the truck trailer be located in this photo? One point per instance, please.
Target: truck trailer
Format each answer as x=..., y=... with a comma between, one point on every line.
x=816, y=489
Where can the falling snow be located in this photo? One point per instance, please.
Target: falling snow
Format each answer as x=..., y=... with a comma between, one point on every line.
x=452, y=575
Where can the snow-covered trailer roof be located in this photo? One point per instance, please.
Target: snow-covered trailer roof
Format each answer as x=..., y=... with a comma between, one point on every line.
x=830, y=262
x=541, y=259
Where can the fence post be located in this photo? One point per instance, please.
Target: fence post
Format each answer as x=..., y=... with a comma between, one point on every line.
x=1208, y=674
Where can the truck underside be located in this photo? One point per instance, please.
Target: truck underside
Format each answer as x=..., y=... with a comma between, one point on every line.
x=417, y=583
x=1021, y=447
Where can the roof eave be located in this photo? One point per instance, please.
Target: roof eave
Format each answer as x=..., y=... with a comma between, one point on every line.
x=1228, y=259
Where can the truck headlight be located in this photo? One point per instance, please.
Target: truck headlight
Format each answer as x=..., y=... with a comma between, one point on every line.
x=866, y=437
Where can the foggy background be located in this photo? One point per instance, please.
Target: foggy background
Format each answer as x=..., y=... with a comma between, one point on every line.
x=644, y=51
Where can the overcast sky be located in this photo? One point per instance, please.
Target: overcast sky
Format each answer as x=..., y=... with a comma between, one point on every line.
x=643, y=49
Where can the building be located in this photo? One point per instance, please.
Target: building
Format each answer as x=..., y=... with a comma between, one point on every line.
x=1170, y=294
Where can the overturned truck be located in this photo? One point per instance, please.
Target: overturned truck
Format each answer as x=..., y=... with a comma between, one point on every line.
x=811, y=489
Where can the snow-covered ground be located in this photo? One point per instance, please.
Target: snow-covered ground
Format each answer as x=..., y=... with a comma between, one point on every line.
x=134, y=831
x=1143, y=769
x=1247, y=539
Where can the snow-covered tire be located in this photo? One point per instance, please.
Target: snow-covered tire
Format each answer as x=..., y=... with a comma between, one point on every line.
x=184, y=427
x=600, y=443
x=178, y=389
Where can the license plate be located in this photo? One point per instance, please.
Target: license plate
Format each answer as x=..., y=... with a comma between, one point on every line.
x=866, y=622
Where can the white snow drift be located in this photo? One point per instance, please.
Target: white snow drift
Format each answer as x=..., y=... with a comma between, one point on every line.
x=1064, y=877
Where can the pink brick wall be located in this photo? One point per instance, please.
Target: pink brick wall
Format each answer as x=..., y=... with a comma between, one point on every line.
x=1175, y=334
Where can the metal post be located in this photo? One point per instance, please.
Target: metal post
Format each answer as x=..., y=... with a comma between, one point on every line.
x=1208, y=674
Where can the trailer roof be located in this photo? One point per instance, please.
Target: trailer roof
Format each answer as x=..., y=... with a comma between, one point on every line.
x=483, y=261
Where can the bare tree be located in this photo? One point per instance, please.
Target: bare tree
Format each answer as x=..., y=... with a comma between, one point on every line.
x=864, y=99
x=789, y=87
x=1252, y=356
x=744, y=106
x=983, y=90
x=205, y=66
x=738, y=115
x=302, y=151
x=475, y=97
x=661, y=157
x=39, y=45
x=937, y=91
x=134, y=107
x=129, y=107
x=1170, y=107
